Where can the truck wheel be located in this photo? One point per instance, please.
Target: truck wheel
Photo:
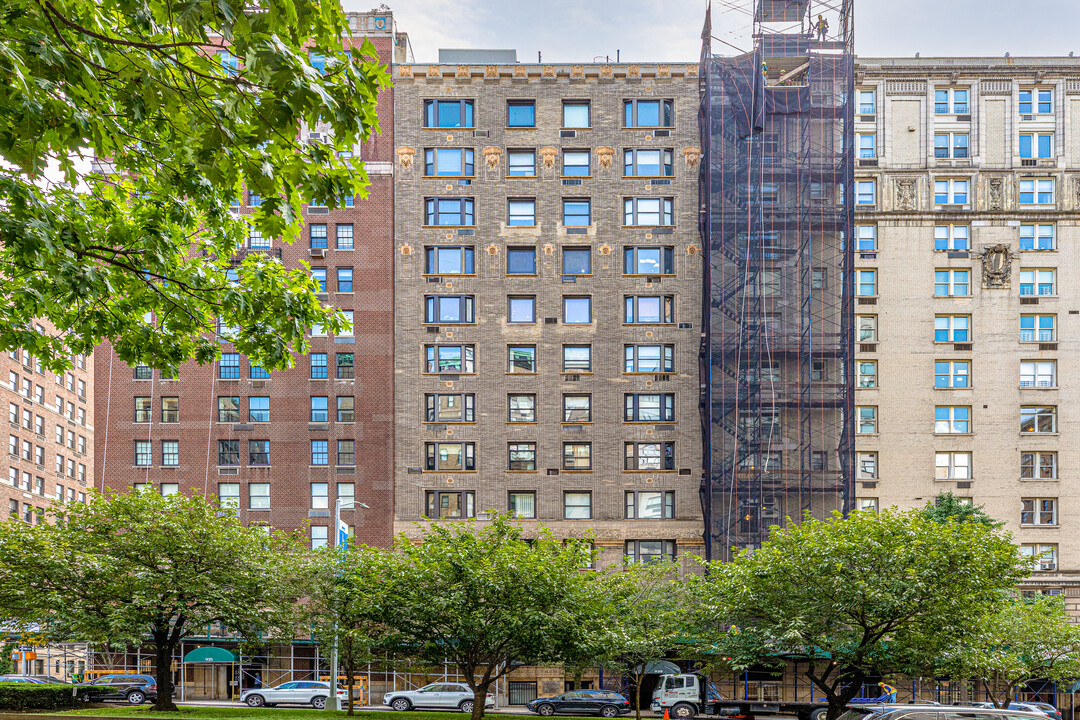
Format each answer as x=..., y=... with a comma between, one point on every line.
x=819, y=714
x=682, y=711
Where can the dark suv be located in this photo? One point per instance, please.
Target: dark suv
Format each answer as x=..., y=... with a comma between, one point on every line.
x=582, y=702
x=134, y=689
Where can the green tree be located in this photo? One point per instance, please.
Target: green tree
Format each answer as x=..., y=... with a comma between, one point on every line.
x=140, y=568
x=947, y=506
x=485, y=598
x=7, y=666
x=125, y=135
x=1019, y=640
x=867, y=595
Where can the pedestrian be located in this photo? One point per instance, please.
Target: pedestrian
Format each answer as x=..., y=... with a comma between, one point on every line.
x=822, y=27
x=888, y=692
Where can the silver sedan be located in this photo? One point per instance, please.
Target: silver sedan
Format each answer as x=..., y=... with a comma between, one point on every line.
x=437, y=696
x=299, y=692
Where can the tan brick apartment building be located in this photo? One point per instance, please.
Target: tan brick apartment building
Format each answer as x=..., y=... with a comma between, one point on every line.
x=281, y=447
x=548, y=275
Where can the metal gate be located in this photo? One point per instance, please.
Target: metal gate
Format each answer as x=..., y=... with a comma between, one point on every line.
x=521, y=692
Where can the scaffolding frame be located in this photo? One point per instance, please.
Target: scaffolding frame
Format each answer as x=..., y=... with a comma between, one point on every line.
x=777, y=355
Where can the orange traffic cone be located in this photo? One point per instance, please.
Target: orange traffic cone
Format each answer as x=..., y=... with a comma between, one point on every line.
x=666, y=716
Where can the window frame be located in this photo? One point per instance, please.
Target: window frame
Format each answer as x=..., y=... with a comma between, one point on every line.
x=632, y=163
x=953, y=372
x=577, y=104
x=521, y=212
x=1038, y=194
x=1037, y=465
x=634, y=555
x=957, y=191
x=574, y=462
x=466, y=212
x=1037, y=415
x=866, y=420
x=950, y=238
x=432, y=358
x=632, y=310
x=1038, y=327
x=433, y=259
x=466, y=454
x=632, y=504
x=520, y=404
x=433, y=309
x=587, y=299
x=632, y=214
x=665, y=111
x=1034, y=242
x=573, y=369
x=466, y=502
x=467, y=111
x=573, y=219
x=466, y=162
x=952, y=106
x=633, y=459
x=955, y=279
x=632, y=260
x=1039, y=512
x=633, y=412
x=520, y=103
x=949, y=419
x=1038, y=282
x=632, y=359
x=957, y=465
x=521, y=456
x=570, y=415
x=433, y=408
x=576, y=169
x=567, y=507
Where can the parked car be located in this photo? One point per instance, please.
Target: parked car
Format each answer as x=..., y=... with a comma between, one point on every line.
x=437, y=696
x=1037, y=707
x=1047, y=708
x=50, y=680
x=21, y=679
x=134, y=689
x=926, y=711
x=297, y=692
x=582, y=702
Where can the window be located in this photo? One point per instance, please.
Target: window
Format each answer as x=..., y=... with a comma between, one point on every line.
x=577, y=309
x=521, y=212
x=170, y=453
x=650, y=505
x=82, y=389
x=521, y=113
x=319, y=409
x=346, y=455
x=1038, y=511
x=320, y=496
x=521, y=359
x=319, y=537
x=648, y=211
x=346, y=492
x=646, y=551
x=450, y=162
x=951, y=145
x=448, y=114
x=866, y=328
x=453, y=505
x=577, y=212
x=577, y=408
x=229, y=366
x=577, y=358
x=450, y=359
x=449, y=211
x=258, y=452
x=229, y=495
x=1036, y=101
x=638, y=162
x=449, y=261
x=521, y=456
x=521, y=261
x=228, y=409
x=577, y=261
x=144, y=455
x=1038, y=373
x=866, y=420
x=522, y=408
x=450, y=407
x=320, y=452
x=449, y=309
x=258, y=496
x=228, y=452
x=318, y=366
x=1039, y=282
x=867, y=104
x=576, y=163
x=1037, y=237
x=649, y=261
x=1043, y=554
x=951, y=237
x=950, y=192
x=865, y=192
x=649, y=407
x=345, y=368
x=867, y=143
x=317, y=236
x=577, y=505
x=866, y=465
x=949, y=283
x=866, y=504
x=951, y=101
x=1038, y=465
x=952, y=466
x=866, y=373
x=521, y=163
x=447, y=456
x=952, y=328
x=344, y=280
x=1037, y=328
x=952, y=373
x=143, y=409
x=523, y=504
x=577, y=456
x=347, y=317
x=648, y=113
x=1038, y=419
x=575, y=114
x=649, y=358
x=1036, y=145
x=319, y=273
x=256, y=239
x=952, y=420
x=866, y=238
x=344, y=237
x=649, y=456
x=346, y=408
x=654, y=309
x=1037, y=192
x=866, y=283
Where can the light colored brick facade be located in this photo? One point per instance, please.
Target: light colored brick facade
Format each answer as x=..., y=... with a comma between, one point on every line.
x=545, y=483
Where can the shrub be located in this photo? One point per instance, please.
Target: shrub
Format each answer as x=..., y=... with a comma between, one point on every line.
x=30, y=696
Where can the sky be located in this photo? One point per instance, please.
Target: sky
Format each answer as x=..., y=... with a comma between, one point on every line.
x=670, y=30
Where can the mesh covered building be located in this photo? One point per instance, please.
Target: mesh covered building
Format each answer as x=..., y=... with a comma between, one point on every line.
x=777, y=395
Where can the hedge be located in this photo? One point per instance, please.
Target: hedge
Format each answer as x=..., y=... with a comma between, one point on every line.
x=31, y=696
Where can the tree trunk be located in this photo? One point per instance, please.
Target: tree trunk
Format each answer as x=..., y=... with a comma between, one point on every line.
x=479, y=698
x=163, y=658
x=637, y=695
x=838, y=701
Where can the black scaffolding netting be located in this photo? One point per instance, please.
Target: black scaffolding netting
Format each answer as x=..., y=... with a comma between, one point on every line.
x=777, y=352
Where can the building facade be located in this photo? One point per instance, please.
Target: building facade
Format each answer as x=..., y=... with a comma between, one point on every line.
x=547, y=277
x=281, y=447
x=967, y=205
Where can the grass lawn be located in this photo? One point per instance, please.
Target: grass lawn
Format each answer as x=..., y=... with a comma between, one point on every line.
x=243, y=713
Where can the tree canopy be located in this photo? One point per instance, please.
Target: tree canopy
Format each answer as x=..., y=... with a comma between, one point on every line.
x=947, y=506
x=128, y=128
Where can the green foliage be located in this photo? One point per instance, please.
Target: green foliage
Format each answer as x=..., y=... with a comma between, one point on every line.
x=871, y=594
x=142, y=567
x=1018, y=640
x=137, y=85
x=6, y=664
x=28, y=696
x=947, y=506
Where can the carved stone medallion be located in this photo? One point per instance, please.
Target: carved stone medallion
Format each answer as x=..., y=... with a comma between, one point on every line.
x=997, y=266
x=691, y=155
x=905, y=194
x=491, y=156
x=994, y=194
x=405, y=156
x=547, y=155
x=604, y=154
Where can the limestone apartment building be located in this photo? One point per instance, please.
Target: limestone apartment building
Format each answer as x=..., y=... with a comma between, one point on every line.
x=968, y=305
x=548, y=298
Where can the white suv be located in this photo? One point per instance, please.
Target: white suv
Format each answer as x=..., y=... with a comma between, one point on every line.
x=437, y=696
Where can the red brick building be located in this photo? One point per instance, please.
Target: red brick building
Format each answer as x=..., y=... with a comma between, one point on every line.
x=281, y=447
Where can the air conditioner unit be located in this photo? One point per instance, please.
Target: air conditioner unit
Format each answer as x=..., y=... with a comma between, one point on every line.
x=317, y=252
x=568, y=133
x=1048, y=565
x=661, y=133
x=314, y=137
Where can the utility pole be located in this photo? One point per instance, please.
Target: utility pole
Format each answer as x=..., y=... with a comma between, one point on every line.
x=341, y=542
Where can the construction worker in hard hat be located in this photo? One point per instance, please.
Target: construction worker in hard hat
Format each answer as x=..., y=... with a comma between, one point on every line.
x=822, y=27
x=888, y=690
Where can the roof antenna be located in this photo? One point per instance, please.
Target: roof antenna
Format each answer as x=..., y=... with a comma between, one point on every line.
x=617, y=53
x=539, y=58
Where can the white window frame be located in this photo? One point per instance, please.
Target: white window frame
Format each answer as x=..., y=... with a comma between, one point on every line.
x=869, y=325
x=1040, y=191
x=1038, y=329
x=952, y=466
x=1044, y=554
x=866, y=466
x=1036, y=413
x=951, y=425
x=867, y=97
x=1038, y=373
x=867, y=144
x=953, y=282
x=1034, y=237
x=866, y=379
x=866, y=416
x=953, y=148
x=861, y=282
x=866, y=238
x=1038, y=281
x=1034, y=151
x=1035, y=101
x=953, y=105
x=952, y=238
x=957, y=191
x=954, y=373
x=1040, y=512
x=1037, y=465
x=866, y=192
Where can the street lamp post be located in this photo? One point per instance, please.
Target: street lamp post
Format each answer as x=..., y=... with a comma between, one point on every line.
x=341, y=540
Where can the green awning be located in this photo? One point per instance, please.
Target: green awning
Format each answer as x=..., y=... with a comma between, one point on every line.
x=210, y=654
x=1074, y=688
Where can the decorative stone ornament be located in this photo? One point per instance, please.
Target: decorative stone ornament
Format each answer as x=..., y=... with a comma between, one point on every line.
x=994, y=194
x=692, y=155
x=1076, y=192
x=905, y=194
x=405, y=156
x=491, y=156
x=604, y=156
x=547, y=155
x=997, y=266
